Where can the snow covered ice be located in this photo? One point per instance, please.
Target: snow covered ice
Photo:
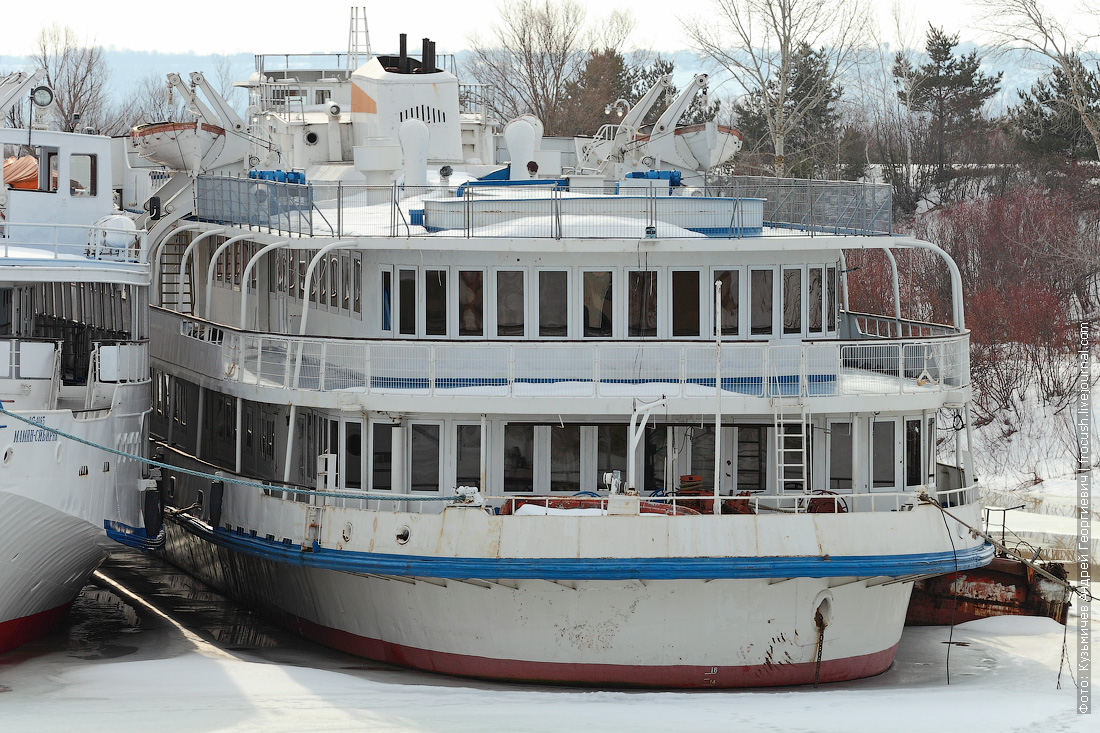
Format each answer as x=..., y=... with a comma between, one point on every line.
x=237, y=676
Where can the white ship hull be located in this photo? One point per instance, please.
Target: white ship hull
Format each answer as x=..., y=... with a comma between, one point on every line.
x=63, y=505
x=580, y=600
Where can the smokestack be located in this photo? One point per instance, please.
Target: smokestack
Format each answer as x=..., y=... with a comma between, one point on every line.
x=403, y=64
x=425, y=49
x=431, y=52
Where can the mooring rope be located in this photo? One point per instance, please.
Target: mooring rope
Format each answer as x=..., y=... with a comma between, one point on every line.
x=225, y=479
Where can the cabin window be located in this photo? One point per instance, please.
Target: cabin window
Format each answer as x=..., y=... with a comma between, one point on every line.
x=840, y=456
x=883, y=459
x=702, y=455
x=519, y=457
x=387, y=300
x=930, y=439
x=752, y=449
x=510, y=302
x=357, y=285
x=468, y=456
x=792, y=301
x=642, y=304
x=52, y=165
x=760, y=299
x=913, y=453
x=610, y=451
x=424, y=452
x=320, y=96
x=565, y=467
x=471, y=303
x=730, y=280
x=316, y=280
x=334, y=282
x=553, y=303
x=353, y=454
x=406, y=293
x=381, y=456
x=830, y=299
x=598, y=301
x=655, y=459
x=814, y=299
x=83, y=174
x=685, y=303
x=435, y=302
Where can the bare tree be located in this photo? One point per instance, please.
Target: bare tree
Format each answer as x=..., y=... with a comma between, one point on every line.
x=152, y=100
x=757, y=42
x=536, y=49
x=1028, y=25
x=78, y=75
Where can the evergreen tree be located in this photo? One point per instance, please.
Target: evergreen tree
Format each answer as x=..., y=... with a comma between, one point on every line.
x=644, y=77
x=950, y=90
x=602, y=79
x=1046, y=121
x=817, y=146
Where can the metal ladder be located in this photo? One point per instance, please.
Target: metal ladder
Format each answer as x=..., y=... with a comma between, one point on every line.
x=792, y=422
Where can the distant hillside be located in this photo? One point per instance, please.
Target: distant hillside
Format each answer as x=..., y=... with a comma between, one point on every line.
x=129, y=68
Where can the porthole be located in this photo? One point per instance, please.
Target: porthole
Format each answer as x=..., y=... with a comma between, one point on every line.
x=311, y=138
x=8, y=455
x=403, y=534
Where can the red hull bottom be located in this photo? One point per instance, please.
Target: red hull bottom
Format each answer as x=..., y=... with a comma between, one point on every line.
x=611, y=675
x=19, y=631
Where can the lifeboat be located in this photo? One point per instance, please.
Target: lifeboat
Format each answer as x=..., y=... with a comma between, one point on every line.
x=179, y=146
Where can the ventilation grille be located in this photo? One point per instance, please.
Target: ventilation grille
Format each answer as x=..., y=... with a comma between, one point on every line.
x=424, y=113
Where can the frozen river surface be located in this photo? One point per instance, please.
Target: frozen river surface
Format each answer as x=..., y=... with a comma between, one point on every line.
x=147, y=648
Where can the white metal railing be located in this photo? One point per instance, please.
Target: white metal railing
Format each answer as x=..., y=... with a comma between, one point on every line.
x=122, y=362
x=73, y=241
x=27, y=359
x=574, y=369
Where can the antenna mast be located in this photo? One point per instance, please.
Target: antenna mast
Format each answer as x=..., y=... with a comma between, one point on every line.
x=358, y=38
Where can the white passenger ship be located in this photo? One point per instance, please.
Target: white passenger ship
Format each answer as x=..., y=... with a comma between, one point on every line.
x=552, y=426
x=74, y=284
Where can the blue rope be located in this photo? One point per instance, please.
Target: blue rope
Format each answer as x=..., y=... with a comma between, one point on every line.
x=226, y=479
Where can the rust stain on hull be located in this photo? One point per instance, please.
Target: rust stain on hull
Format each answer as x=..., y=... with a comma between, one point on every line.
x=1005, y=587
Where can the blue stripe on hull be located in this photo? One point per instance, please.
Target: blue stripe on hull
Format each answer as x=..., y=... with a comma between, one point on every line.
x=674, y=568
x=135, y=537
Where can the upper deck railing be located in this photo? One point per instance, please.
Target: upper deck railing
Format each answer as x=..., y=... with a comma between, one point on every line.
x=488, y=369
x=747, y=207
x=66, y=243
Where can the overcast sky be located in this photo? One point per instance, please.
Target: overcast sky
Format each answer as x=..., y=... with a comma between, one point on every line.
x=221, y=26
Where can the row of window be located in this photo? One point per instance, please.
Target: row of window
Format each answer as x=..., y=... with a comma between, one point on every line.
x=337, y=282
x=83, y=172
x=608, y=303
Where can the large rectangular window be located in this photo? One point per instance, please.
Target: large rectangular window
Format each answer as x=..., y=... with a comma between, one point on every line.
x=792, y=301
x=655, y=459
x=381, y=465
x=642, y=304
x=840, y=456
x=760, y=300
x=913, y=453
x=435, y=302
x=610, y=451
x=685, y=303
x=424, y=454
x=752, y=450
x=553, y=303
x=730, y=297
x=471, y=303
x=814, y=299
x=83, y=174
x=519, y=457
x=353, y=454
x=597, y=294
x=883, y=460
x=565, y=458
x=510, y=303
x=468, y=455
x=406, y=293
x=387, y=300
x=702, y=455
x=830, y=299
